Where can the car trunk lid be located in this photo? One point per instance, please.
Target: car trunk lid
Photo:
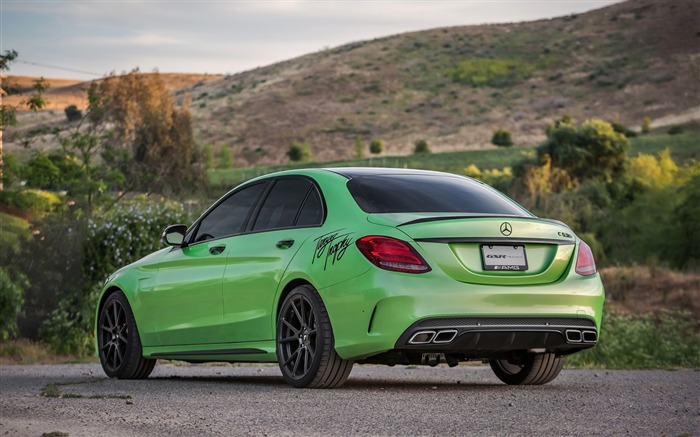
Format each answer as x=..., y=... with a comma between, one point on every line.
x=483, y=249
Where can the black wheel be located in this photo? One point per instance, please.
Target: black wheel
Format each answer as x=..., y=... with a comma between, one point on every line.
x=528, y=369
x=118, y=341
x=305, y=346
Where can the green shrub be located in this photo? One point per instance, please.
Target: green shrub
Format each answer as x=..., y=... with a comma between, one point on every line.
x=11, y=301
x=643, y=341
x=376, y=147
x=299, y=152
x=127, y=233
x=225, y=157
x=646, y=125
x=41, y=172
x=675, y=130
x=502, y=138
x=421, y=146
x=491, y=72
x=73, y=113
x=622, y=129
x=36, y=202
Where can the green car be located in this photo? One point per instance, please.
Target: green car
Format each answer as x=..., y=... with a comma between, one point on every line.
x=318, y=269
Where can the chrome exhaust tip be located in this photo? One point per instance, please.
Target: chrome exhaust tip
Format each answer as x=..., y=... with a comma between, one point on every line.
x=590, y=336
x=422, y=337
x=445, y=336
x=573, y=336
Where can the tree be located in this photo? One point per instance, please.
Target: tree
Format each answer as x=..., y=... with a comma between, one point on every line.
x=299, y=152
x=376, y=147
x=592, y=150
x=7, y=114
x=35, y=102
x=421, y=146
x=359, y=146
x=151, y=140
x=225, y=157
x=207, y=156
x=501, y=137
x=646, y=125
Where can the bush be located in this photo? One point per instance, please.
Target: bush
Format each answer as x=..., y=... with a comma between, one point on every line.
x=73, y=113
x=502, y=138
x=675, y=130
x=421, y=146
x=622, y=129
x=591, y=151
x=41, y=172
x=225, y=157
x=376, y=147
x=299, y=152
x=646, y=125
x=35, y=202
x=127, y=233
x=11, y=301
x=491, y=72
x=643, y=341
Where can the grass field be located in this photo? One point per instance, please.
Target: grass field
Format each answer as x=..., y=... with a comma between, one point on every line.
x=684, y=147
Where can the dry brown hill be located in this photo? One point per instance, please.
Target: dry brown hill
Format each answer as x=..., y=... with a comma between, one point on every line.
x=65, y=92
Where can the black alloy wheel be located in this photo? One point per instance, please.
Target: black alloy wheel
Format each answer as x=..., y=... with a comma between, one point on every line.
x=305, y=347
x=118, y=341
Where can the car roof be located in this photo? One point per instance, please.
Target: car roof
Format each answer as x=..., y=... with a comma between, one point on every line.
x=355, y=172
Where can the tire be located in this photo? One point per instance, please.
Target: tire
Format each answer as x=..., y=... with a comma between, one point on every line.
x=529, y=369
x=305, y=345
x=118, y=341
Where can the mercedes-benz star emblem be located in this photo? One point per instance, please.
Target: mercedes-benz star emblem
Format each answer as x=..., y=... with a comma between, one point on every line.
x=506, y=229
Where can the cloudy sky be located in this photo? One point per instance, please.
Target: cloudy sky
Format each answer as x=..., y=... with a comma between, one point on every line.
x=89, y=38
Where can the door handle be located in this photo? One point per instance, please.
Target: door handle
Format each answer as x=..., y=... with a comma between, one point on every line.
x=284, y=244
x=215, y=250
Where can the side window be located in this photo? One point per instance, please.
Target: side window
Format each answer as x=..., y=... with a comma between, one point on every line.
x=282, y=204
x=312, y=212
x=229, y=216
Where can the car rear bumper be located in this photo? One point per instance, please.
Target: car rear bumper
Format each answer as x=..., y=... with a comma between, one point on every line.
x=382, y=311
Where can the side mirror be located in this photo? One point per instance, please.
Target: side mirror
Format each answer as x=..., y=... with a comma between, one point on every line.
x=174, y=235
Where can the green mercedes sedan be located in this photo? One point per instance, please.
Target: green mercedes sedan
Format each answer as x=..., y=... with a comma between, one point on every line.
x=319, y=269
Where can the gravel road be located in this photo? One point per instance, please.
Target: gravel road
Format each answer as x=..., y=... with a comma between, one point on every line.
x=253, y=399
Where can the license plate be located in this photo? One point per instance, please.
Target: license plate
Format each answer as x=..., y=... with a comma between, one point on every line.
x=503, y=257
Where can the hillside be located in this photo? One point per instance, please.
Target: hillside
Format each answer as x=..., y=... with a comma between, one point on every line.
x=450, y=86
x=624, y=62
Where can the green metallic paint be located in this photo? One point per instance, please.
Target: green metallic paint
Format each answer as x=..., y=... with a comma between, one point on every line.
x=190, y=300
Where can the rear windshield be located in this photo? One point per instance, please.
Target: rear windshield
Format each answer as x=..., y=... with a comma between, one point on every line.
x=428, y=193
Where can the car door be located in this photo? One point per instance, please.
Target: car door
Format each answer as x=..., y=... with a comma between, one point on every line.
x=187, y=298
x=292, y=211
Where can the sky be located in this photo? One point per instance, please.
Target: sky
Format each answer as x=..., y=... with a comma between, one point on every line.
x=84, y=39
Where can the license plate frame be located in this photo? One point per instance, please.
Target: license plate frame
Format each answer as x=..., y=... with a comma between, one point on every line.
x=503, y=258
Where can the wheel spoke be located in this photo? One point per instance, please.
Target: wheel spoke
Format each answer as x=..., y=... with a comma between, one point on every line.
x=288, y=339
x=296, y=312
x=294, y=330
x=296, y=363
x=114, y=313
x=307, y=360
x=291, y=357
x=106, y=328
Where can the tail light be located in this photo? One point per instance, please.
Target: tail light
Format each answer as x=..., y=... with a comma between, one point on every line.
x=585, y=264
x=392, y=254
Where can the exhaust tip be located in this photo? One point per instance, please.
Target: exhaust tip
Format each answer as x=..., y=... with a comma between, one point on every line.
x=573, y=336
x=590, y=336
x=422, y=337
x=445, y=336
